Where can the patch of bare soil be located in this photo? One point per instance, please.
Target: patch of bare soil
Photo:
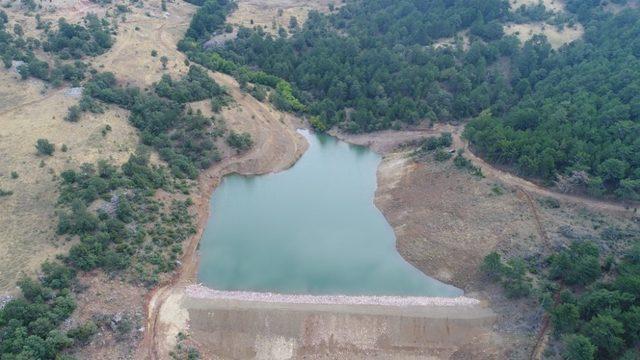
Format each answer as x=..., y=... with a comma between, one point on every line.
x=557, y=37
x=29, y=110
x=462, y=37
x=142, y=31
x=273, y=14
x=446, y=221
x=616, y=8
x=117, y=308
x=551, y=5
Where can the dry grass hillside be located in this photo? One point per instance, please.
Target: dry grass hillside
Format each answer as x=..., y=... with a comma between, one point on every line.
x=556, y=36
x=144, y=30
x=252, y=13
x=552, y=5
x=30, y=110
x=27, y=113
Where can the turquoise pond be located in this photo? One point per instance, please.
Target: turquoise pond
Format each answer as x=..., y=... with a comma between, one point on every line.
x=312, y=229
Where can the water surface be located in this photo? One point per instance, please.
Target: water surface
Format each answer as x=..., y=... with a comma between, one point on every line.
x=312, y=229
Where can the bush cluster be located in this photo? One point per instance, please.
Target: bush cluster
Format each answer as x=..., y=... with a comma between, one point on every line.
x=185, y=141
x=596, y=313
x=74, y=41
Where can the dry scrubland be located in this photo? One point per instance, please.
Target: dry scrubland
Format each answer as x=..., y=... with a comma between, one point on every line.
x=27, y=218
x=556, y=36
x=29, y=110
x=266, y=13
x=145, y=30
x=446, y=220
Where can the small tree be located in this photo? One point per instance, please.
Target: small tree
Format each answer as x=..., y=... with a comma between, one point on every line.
x=578, y=347
x=74, y=114
x=565, y=318
x=240, y=142
x=154, y=53
x=44, y=147
x=606, y=333
x=492, y=266
x=17, y=29
x=164, y=60
x=293, y=23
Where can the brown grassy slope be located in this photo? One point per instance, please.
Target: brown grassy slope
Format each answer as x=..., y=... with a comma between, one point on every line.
x=263, y=13
x=27, y=219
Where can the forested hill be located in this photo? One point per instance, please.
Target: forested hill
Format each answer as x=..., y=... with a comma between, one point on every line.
x=369, y=65
x=366, y=66
x=580, y=113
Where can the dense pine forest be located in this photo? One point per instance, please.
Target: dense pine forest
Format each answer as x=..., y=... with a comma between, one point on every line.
x=569, y=114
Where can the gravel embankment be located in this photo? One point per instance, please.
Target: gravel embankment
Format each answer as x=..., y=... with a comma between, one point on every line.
x=201, y=292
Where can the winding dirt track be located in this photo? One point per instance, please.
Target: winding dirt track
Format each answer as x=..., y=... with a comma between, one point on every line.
x=528, y=186
x=385, y=141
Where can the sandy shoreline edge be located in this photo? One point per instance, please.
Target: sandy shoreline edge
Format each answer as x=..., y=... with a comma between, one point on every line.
x=199, y=291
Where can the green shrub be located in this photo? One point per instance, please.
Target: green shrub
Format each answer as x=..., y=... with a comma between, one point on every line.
x=74, y=114
x=578, y=347
x=579, y=265
x=434, y=143
x=44, y=147
x=83, y=333
x=605, y=333
x=73, y=41
x=492, y=266
x=441, y=155
x=240, y=142
x=195, y=86
x=5, y=192
x=565, y=318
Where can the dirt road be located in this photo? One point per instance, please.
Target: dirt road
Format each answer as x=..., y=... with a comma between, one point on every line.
x=513, y=180
x=385, y=141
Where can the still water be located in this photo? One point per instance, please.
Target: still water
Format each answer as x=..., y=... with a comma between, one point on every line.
x=312, y=229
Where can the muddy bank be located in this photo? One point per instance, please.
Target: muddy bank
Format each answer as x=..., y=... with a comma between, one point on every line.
x=386, y=141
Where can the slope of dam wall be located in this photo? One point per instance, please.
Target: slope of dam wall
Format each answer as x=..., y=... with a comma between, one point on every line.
x=240, y=329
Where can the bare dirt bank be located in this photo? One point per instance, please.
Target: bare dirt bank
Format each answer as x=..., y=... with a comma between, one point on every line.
x=257, y=330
